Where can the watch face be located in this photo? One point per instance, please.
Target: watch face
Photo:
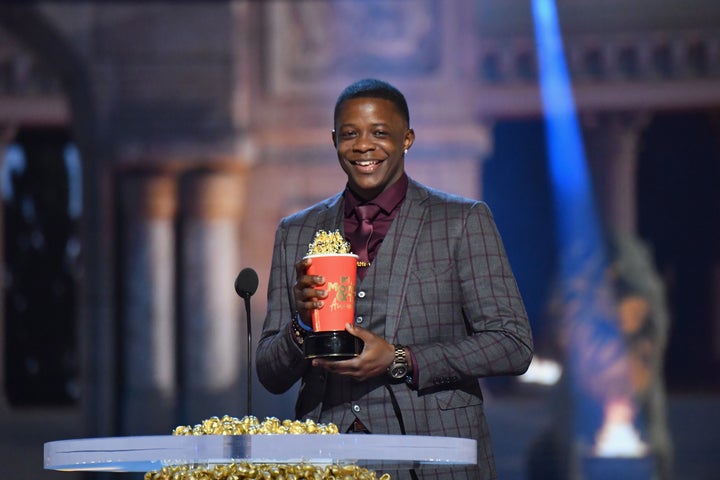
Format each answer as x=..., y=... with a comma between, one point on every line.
x=398, y=371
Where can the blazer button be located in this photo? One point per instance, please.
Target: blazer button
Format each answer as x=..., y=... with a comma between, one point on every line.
x=359, y=320
x=361, y=294
x=356, y=408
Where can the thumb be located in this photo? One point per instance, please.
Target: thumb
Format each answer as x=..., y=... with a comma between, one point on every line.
x=359, y=332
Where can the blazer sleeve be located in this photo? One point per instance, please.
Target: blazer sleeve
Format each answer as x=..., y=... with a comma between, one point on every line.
x=279, y=360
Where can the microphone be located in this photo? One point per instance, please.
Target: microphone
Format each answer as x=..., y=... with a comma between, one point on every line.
x=246, y=284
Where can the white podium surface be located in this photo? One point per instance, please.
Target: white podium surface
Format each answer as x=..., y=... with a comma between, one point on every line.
x=146, y=453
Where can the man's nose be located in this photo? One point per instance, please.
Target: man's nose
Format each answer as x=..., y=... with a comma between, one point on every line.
x=363, y=143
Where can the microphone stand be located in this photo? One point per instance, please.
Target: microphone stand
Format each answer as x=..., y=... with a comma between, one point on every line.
x=246, y=284
x=246, y=297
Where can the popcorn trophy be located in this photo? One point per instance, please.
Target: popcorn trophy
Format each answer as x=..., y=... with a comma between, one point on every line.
x=331, y=258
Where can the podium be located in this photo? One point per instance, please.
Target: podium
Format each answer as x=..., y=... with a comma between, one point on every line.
x=146, y=453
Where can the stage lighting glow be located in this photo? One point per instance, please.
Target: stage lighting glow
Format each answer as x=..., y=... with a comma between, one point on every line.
x=542, y=372
x=618, y=437
x=596, y=357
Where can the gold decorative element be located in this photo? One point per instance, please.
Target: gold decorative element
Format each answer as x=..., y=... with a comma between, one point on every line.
x=243, y=470
x=328, y=242
x=251, y=425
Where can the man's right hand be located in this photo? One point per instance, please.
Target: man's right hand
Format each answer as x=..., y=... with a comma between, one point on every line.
x=307, y=296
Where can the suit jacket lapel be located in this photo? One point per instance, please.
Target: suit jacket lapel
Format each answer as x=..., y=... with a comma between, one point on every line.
x=400, y=250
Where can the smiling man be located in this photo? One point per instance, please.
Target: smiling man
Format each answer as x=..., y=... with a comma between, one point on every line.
x=437, y=306
x=371, y=136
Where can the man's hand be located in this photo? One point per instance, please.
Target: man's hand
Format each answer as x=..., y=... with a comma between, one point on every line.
x=374, y=360
x=307, y=296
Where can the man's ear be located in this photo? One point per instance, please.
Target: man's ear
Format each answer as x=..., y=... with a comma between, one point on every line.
x=409, y=138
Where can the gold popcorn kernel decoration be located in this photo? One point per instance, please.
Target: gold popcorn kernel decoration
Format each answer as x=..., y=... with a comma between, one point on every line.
x=269, y=471
x=328, y=242
x=251, y=425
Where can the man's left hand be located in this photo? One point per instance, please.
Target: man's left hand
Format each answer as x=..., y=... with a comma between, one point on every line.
x=374, y=360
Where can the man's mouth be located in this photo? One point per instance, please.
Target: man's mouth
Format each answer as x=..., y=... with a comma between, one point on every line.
x=365, y=163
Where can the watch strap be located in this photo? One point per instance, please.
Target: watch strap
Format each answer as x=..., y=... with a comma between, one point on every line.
x=398, y=369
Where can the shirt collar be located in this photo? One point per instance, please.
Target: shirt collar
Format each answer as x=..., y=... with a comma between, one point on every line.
x=388, y=200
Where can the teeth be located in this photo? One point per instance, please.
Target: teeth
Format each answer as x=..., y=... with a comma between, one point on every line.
x=365, y=164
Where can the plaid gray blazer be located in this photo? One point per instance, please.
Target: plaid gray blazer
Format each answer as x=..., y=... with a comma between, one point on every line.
x=440, y=284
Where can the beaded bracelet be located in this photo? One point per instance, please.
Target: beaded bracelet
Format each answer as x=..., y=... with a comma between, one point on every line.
x=299, y=329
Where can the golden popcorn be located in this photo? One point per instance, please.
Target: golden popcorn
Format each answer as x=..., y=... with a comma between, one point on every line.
x=251, y=425
x=243, y=470
x=328, y=242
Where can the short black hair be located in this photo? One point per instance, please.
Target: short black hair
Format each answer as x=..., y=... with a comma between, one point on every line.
x=373, y=88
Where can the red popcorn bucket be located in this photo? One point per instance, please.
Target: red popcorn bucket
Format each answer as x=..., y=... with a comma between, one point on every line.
x=329, y=337
x=340, y=271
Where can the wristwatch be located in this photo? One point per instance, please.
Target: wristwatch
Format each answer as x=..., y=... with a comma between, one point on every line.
x=398, y=369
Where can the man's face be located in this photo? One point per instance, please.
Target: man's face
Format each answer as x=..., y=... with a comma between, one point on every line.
x=370, y=137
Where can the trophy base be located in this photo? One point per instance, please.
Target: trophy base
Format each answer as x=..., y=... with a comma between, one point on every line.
x=334, y=345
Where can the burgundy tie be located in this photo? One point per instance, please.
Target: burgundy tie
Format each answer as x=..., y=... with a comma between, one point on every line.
x=360, y=239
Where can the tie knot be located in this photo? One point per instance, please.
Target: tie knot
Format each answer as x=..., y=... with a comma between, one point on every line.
x=367, y=213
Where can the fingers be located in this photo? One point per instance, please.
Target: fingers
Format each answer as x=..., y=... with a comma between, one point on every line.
x=354, y=368
x=305, y=281
x=376, y=356
x=302, y=266
x=370, y=339
x=307, y=296
x=351, y=368
x=363, y=334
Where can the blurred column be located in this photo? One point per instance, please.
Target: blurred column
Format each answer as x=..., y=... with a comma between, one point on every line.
x=611, y=141
x=612, y=148
x=147, y=392
x=213, y=342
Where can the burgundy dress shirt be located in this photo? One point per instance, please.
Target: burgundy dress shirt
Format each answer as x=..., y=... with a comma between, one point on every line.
x=389, y=202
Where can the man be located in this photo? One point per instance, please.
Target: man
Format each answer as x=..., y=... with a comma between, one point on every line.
x=436, y=296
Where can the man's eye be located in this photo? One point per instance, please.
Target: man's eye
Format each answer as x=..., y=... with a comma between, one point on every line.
x=347, y=134
x=381, y=133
